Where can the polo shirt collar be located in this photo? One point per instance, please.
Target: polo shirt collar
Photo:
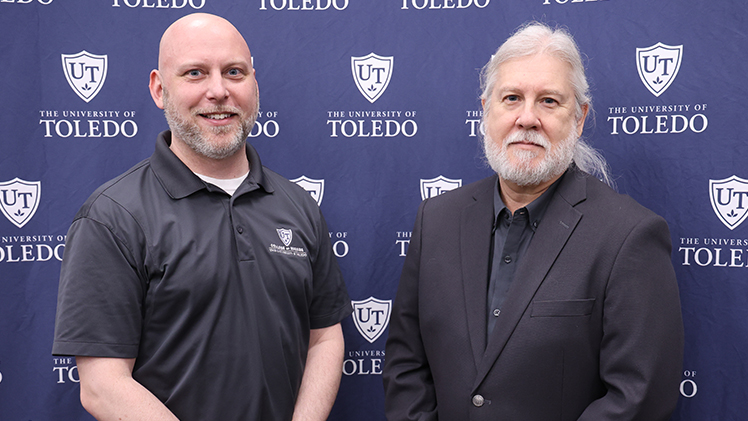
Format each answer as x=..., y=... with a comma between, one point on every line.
x=179, y=181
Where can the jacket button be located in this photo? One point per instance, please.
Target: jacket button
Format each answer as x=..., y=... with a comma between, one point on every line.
x=478, y=400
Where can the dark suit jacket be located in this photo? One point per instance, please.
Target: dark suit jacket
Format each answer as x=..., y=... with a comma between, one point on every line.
x=591, y=328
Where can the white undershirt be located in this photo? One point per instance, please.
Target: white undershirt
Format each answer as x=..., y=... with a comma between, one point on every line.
x=229, y=185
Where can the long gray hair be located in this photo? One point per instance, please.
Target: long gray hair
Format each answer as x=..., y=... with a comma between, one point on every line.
x=538, y=38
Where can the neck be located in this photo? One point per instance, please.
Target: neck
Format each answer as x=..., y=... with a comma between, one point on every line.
x=516, y=196
x=232, y=166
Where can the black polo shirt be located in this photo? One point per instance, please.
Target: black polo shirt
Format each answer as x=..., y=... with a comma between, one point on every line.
x=214, y=295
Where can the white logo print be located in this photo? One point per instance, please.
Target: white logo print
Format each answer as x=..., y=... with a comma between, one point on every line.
x=285, y=235
x=19, y=200
x=658, y=66
x=314, y=187
x=372, y=74
x=371, y=317
x=730, y=200
x=85, y=73
x=436, y=186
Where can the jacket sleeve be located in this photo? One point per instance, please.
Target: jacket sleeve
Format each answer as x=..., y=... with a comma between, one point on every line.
x=641, y=353
x=408, y=383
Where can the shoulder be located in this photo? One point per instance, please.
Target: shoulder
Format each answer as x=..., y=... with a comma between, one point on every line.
x=291, y=193
x=467, y=194
x=602, y=206
x=117, y=194
x=605, y=199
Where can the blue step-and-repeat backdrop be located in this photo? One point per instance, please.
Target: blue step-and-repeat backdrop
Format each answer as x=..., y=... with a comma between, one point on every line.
x=372, y=105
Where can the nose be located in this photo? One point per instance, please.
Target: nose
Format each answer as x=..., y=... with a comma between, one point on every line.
x=217, y=90
x=528, y=117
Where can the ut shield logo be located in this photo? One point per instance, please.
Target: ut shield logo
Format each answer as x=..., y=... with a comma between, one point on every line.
x=316, y=188
x=436, y=186
x=371, y=317
x=19, y=200
x=729, y=198
x=285, y=235
x=658, y=66
x=372, y=74
x=85, y=73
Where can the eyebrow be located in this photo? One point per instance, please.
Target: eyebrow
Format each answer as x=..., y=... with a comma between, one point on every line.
x=198, y=63
x=502, y=90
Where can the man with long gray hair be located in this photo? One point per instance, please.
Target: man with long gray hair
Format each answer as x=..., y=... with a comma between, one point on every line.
x=538, y=293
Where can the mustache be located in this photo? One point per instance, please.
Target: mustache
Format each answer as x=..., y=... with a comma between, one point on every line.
x=527, y=137
x=218, y=109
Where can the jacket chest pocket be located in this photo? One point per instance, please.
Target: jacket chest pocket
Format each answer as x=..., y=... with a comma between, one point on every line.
x=562, y=308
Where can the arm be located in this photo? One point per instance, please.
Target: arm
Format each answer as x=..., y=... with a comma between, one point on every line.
x=319, y=385
x=108, y=391
x=641, y=352
x=409, y=392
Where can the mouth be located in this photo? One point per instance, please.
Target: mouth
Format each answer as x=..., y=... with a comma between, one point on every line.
x=217, y=116
x=525, y=144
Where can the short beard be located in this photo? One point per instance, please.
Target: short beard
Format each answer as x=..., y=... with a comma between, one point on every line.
x=194, y=137
x=555, y=161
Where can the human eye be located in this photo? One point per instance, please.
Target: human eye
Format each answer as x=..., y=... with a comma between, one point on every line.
x=549, y=101
x=235, y=72
x=511, y=98
x=193, y=73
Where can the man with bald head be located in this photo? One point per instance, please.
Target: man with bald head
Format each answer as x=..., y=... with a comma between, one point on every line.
x=200, y=285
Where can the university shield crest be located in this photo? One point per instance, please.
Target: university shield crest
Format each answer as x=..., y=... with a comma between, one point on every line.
x=729, y=198
x=372, y=74
x=371, y=317
x=285, y=235
x=658, y=66
x=19, y=200
x=314, y=187
x=85, y=73
x=436, y=186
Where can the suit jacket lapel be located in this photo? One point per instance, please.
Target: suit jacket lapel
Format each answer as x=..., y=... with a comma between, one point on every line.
x=552, y=234
x=475, y=238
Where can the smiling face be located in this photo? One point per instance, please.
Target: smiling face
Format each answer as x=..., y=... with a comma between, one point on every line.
x=530, y=120
x=206, y=85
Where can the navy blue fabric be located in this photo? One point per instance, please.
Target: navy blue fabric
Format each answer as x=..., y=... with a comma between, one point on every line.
x=673, y=143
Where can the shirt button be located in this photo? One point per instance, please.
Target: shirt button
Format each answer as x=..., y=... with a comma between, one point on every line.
x=496, y=312
x=478, y=400
x=507, y=259
x=239, y=230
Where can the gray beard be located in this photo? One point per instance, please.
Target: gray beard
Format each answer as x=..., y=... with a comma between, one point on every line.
x=556, y=160
x=194, y=137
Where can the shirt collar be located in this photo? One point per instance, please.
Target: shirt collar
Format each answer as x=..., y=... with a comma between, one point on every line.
x=179, y=181
x=535, y=210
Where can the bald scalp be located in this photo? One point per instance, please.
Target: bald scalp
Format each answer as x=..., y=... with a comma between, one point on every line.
x=192, y=28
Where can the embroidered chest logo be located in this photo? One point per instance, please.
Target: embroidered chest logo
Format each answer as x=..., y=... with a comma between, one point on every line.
x=286, y=237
